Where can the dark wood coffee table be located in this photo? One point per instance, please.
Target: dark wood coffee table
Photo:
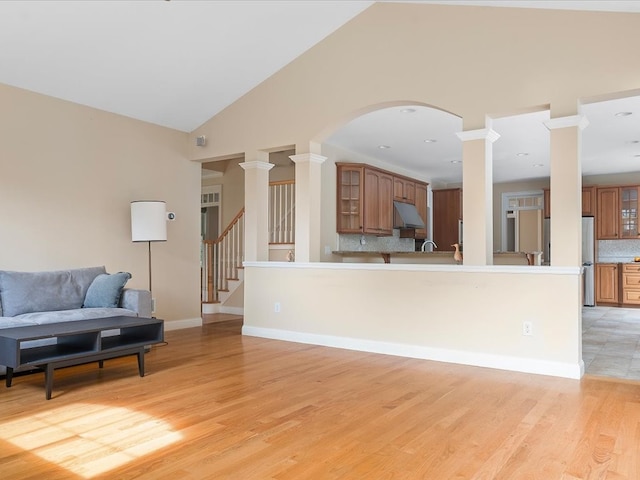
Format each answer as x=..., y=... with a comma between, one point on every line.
x=77, y=343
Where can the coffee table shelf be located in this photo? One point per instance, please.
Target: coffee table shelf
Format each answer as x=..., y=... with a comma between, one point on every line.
x=77, y=343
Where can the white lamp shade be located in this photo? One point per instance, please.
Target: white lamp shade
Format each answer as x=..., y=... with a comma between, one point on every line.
x=148, y=221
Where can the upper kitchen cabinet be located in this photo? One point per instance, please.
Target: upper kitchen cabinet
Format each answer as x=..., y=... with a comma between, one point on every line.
x=349, y=202
x=617, y=216
x=378, y=202
x=447, y=217
x=628, y=198
x=404, y=190
x=588, y=202
x=421, y=206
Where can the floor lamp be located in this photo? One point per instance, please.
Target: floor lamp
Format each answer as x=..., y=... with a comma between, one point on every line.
x=149, y=224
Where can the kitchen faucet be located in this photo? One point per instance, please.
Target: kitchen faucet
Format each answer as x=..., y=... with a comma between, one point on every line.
x=424, y=245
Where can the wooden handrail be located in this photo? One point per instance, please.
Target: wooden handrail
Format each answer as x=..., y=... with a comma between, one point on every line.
x=282, y=182
x=230, y=226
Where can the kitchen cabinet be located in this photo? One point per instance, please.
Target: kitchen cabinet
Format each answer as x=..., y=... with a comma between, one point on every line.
x=546, y=203
x=607, y=283
x=607, y=217
x=365, y=198
x=378, y=202
x=588, y=202
x=628, y=210
x=631, y=284
x=421, y=206
x=447, y=217
x=617, y=212
x=349, y=202
x=404, y=190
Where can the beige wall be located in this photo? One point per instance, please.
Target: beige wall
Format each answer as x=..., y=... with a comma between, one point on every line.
x=232, y=182
x=68, y=175
x=423, y=312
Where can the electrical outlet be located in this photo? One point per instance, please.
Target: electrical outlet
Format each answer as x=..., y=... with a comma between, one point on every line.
x=527, y=328
x=276, y=307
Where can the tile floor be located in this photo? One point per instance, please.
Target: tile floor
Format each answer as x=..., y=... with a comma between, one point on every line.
x=611, y=342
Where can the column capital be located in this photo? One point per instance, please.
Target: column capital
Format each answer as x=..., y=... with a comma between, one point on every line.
x=579, y=121
x=480, y=134
x=256, y=165
x=307, y=157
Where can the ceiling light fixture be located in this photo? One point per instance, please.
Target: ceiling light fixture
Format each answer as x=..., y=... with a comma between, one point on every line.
x=430, y=140
x=521, y=154
x=538, y=164
x=456, y=161
x=633, y=141
x=383, y=147
x=408, y=110
x=623, y=114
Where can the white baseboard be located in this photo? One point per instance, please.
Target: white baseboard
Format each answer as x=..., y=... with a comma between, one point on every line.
x=210, y=308
x=501, y=362
x=180, y=324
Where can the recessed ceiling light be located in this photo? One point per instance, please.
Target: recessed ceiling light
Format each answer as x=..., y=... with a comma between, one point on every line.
x=430, y=140
x=521, y=154
x=623, y=114
x=538, y=164
x=637, y=155
x=407, y=110
x=383, y=147
x=456, y=161
x=633, y=141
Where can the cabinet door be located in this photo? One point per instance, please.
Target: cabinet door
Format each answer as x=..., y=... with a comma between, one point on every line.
x=421, y=206
x=378, y=202
x=608, y=213
x=628, y=198
x=546, y=203
x=350, y=190
x=607, y=283
x=447, y=213
x=404, y=190
x=588, y=201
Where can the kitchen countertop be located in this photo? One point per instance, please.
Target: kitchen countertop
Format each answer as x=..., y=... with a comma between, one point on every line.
x=437, y=256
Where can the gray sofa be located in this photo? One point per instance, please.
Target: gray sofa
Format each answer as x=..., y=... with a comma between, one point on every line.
x=36, y=298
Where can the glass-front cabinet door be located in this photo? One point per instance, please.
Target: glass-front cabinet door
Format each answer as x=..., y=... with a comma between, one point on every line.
x=629, y=212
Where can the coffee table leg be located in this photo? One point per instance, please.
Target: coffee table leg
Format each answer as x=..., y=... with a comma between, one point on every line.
x=141, y=362
x=9, y=377
x=48, y=380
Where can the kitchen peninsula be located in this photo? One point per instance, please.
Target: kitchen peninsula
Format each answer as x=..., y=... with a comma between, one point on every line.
x=443, y=258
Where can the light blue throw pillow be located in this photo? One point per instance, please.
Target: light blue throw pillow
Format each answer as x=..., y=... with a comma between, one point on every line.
x=105, y=290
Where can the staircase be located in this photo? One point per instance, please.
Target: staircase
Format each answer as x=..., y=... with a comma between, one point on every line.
x=221, y=267
x=221, y=259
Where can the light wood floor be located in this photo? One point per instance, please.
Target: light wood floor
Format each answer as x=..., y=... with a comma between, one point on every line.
x=216, y=405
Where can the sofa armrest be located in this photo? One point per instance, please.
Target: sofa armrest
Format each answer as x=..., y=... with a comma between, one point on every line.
x=137, y=300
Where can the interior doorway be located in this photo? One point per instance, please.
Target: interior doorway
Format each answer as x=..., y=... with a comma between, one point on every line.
x=210, y=217
x=522, y=221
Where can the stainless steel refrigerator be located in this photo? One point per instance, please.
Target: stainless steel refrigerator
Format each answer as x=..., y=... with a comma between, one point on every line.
x=588, y=260
x=588, y=257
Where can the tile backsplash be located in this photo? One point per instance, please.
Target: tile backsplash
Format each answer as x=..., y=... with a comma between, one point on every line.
x=352, y=243
x=614, y=251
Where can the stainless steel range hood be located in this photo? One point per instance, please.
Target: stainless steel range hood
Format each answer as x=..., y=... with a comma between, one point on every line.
x=408, y=215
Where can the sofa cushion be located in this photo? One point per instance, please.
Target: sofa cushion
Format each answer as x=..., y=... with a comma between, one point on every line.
x=43, y=318
x=106, y=290
x=25, y=292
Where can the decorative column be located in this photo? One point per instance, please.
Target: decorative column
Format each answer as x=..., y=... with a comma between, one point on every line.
x=256, y=210
x=308, y=200
x=566, y=190
x=477, y=198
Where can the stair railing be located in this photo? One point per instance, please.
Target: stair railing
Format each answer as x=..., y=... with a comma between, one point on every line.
x=221, y=259
x=282, y=211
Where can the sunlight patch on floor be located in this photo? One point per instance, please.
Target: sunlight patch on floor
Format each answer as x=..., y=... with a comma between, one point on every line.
x=89, y=439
